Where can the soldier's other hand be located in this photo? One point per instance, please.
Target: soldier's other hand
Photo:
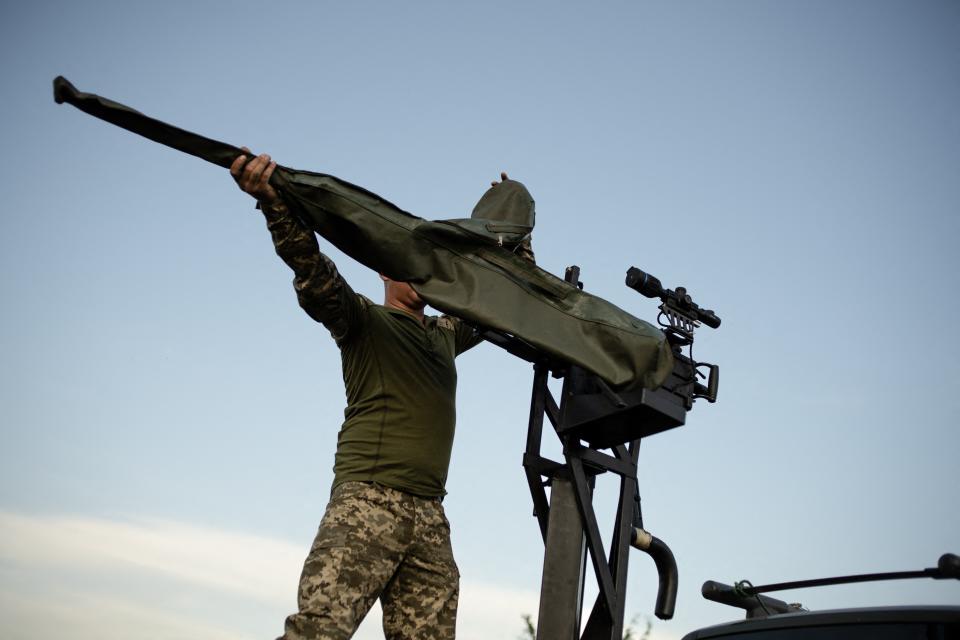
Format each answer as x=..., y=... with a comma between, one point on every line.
x=503, y=176
x=253, y=176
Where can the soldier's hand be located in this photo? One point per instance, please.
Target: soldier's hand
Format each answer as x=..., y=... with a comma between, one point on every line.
x=503, y=176
x=253, y=176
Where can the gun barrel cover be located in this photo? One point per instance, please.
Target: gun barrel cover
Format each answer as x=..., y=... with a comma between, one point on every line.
x=462, y=267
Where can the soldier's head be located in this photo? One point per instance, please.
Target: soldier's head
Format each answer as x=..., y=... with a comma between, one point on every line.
x=401, y=295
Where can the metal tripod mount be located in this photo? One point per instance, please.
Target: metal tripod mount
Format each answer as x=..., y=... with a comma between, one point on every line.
x=589, y=419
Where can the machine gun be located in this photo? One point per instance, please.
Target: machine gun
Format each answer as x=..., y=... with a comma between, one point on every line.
x=592, y=417
x=596, y=414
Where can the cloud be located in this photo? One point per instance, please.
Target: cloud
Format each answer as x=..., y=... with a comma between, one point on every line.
x=258, y=568
x=166, y=580
x=86, y=617
x=488, y=611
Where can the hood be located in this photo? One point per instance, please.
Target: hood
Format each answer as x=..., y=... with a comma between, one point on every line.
x=504, y=215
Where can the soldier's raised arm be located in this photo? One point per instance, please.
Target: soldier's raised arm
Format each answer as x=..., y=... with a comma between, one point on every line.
x=321, y=290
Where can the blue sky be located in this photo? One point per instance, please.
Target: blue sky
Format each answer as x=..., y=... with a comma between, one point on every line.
x=168, y=414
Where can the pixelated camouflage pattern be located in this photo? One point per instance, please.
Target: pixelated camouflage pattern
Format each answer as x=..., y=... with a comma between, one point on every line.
x=321, y=290
x=378, y=542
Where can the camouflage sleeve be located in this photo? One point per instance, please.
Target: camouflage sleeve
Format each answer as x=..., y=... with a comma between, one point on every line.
x=321, y=290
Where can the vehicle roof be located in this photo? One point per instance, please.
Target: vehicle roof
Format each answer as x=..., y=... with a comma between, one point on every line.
x=806, y=619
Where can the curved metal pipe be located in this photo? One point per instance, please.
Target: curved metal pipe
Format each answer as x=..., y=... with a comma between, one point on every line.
x=666, y=570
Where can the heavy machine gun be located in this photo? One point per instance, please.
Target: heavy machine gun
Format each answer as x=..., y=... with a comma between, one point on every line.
x=589, y=419
x=601, y=417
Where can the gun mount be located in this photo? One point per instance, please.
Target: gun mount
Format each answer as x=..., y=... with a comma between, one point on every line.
x=592, y=417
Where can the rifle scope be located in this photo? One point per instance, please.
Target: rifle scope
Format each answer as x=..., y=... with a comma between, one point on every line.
x=651, y=287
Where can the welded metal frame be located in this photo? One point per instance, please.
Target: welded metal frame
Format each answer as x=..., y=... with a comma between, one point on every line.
x=582, y=464
x=591, y=419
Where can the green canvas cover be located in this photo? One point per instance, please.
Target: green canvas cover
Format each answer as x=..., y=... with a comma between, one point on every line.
x=463, y=267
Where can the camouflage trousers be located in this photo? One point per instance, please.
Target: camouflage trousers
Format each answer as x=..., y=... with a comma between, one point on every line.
x=376, y=542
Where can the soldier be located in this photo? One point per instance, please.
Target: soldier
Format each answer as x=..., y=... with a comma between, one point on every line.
x=384, y=534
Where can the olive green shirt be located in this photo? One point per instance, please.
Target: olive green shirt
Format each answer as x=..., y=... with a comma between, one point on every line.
x=398, y=372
